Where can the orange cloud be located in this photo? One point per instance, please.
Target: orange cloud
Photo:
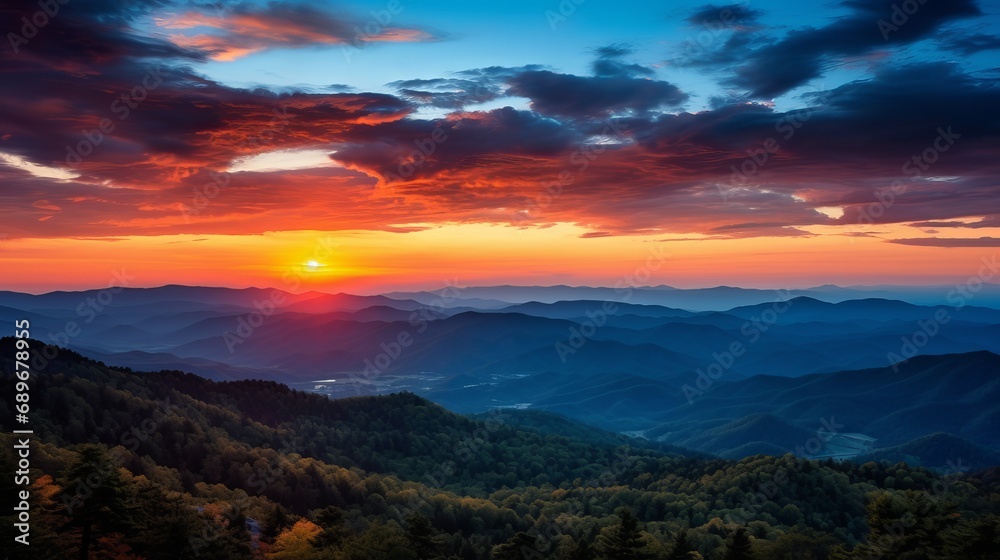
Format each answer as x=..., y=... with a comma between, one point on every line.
x=232, y=35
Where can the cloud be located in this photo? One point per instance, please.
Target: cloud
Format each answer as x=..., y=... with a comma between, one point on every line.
x=578, y=96
x=987, y=222
x=599, y=151
x=608, y=64
x=970, y=44
x=614, y=51
x=767, y=67
x=447, y=93
x=229, y=34
x=729, y=14
x=949, y=242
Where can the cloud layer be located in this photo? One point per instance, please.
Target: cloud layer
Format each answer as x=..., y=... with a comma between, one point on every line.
x=150, y=140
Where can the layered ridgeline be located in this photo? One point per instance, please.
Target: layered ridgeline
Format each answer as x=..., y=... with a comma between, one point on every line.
x=171, y=465
x=759, y=377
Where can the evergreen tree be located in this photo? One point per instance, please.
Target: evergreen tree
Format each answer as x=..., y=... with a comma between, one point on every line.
x=739, y=546
x=519, y=547
x=975, y=540
x=583, y=551
x=682, y=546
x=422, y=536
x=92, y=497
x=331, y=521
x=623, y=541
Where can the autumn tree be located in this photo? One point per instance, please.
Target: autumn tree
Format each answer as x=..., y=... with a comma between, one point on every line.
x=296, y=542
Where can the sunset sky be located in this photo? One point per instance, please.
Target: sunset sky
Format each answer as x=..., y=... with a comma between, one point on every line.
x=403, y=144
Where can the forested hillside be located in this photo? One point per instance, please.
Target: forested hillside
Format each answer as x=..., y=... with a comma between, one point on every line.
x=169, y=465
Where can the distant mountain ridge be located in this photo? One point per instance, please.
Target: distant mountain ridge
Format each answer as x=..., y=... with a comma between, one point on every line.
x=778, y=365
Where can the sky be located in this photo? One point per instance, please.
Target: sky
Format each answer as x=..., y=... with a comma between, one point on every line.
x=407, y=144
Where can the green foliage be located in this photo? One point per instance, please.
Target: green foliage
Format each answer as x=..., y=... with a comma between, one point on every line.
x=739, y=547
x=682, y=547
x=182, y=467
x=623, y=541
x=519, y=547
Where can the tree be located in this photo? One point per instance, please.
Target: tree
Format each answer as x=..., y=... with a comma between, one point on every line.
x=422, y=536
x=739, y=546
x=296, y=542
x=682, y=546
x=805, y=545
x=331, y=521
x=380, y=542
x=624, y=541
x=582, y=551
x=975, y=540
x=519, y=547
x=92, y=497
x=908, y=522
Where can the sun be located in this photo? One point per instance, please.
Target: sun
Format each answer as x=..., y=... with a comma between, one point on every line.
x=314, y=265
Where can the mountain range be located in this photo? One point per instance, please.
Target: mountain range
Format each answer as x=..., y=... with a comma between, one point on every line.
x=762, y=376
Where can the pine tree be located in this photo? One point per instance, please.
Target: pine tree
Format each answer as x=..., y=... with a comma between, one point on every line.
x=422, y=536
x=92, y=497
x=331, y=520
x=739, y=546
x=519, y=547
x=623, y=541
x=682, y=546
x=583, y=551
x=976, y=540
